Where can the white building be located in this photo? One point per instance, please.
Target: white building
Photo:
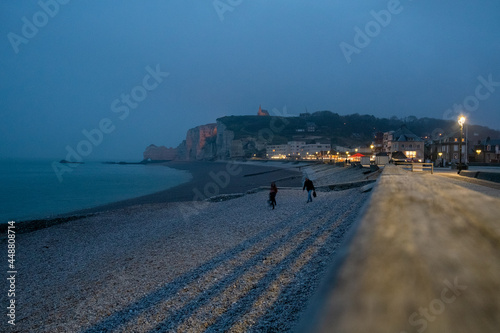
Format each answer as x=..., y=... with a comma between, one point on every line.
x=277, y=151
x=296, y=149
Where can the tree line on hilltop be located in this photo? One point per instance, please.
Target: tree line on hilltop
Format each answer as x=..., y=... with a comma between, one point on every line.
x=345, y=130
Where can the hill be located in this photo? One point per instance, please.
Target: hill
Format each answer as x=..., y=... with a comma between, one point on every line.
x=247, y=136
x=348, y=130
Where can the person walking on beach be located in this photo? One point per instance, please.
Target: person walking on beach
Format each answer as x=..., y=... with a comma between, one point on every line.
x=308, y=184
x=272, y=194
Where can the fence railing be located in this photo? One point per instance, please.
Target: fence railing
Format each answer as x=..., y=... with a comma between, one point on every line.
x=417, y=166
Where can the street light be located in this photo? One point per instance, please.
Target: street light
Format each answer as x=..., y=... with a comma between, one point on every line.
x=461, y=122
x=440, y=159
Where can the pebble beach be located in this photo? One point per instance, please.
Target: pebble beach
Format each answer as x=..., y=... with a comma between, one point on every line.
x=182, y=266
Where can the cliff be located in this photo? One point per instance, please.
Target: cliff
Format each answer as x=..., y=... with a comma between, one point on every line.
x=216, y=141
x=161, y=153
x=199, y=143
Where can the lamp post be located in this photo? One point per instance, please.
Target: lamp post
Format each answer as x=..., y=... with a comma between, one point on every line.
x=478, y=152
x=461, y=122
x=440, y=159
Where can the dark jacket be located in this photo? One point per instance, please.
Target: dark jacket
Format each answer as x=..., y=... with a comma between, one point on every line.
x=308, y=184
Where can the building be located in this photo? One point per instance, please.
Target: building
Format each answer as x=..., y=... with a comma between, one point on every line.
x=277, y=151
x=315, y=149
x=378, y=142
x=297, y=149
x=405, y=141
x=262, y=112
x=487, y=151
x=387, y=139
x=311, y=127
x=446, y=149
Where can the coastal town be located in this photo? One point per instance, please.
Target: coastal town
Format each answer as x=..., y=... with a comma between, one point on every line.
x=250, y=166
x=443, y=148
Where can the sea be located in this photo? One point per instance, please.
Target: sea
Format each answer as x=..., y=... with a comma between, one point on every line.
x=30, y=189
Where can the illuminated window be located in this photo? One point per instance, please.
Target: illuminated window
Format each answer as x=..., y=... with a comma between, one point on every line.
x=411, y=154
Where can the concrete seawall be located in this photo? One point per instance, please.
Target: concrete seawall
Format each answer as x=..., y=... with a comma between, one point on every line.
x=424, y=256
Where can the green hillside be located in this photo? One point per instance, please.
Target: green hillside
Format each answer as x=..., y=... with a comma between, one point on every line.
x=348, y=130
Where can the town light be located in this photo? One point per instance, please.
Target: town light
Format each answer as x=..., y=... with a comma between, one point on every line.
x=441, y=159
x=461, y=122
x=478, y=151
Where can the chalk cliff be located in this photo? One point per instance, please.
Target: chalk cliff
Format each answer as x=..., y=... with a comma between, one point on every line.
x=199, y=143
x=162, y=153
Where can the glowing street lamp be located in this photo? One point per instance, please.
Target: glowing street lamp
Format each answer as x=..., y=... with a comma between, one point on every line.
x=461, y=122
x=478, y=151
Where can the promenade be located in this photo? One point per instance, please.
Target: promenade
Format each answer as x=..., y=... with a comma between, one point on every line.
x=423, y=258
x=478, y=185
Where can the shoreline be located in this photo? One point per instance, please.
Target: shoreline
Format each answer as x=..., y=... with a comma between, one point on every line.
x=250, y=177
x=155, y=268
x=243, y=177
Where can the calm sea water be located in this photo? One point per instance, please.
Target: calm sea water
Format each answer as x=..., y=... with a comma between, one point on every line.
x=31, y=189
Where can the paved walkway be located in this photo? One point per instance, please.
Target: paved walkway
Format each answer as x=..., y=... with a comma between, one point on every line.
x=478, y=185
x=424, y=257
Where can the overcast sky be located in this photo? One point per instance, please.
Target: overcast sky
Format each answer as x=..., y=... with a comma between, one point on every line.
x=101, y=65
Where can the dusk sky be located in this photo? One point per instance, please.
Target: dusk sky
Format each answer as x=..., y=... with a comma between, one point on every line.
x=74, y=66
